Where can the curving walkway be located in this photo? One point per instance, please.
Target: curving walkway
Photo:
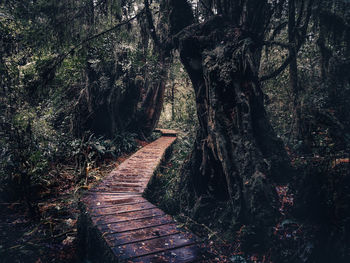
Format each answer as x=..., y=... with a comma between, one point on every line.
x=131, y=228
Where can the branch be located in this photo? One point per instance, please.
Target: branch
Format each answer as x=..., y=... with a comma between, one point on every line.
x=277, y=30
x=207, y=8
x=302, y=5
x=277, y=71
x=276, y=6
x=62, y=57
x=276, y=43
x=301, y=39
x=306, y=23
x=151, y=26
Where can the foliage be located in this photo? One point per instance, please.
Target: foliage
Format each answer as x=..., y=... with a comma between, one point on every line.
x=163, y=187
x=322, y=63
x=53, y=87
x=184, y=120
x=89, y=151
x=179, y=111
x=22, y=161
x=66, y=98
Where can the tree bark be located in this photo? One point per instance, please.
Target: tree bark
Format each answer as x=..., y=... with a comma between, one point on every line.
x=293, y=70
x=173, y=101
x=237, y=156
x=149, y=113
x=148, y=116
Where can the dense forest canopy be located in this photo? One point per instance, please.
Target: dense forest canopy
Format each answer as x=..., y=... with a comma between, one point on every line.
x=258, y=90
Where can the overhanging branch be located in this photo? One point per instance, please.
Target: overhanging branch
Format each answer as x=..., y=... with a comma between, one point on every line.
x=301, y=40
x=277, y=71
x=62, y=57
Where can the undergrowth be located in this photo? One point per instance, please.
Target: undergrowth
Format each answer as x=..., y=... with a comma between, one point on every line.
x=163, y=187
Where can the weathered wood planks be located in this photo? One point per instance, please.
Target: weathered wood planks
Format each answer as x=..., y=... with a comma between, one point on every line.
x=119, y=225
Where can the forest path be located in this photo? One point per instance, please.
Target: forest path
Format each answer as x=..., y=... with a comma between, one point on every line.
x=131, y=228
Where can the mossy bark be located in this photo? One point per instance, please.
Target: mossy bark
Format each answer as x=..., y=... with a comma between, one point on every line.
x=237, y=156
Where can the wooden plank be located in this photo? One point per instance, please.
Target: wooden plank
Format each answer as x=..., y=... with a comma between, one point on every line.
x=135, y=229
x=134, y=224
x=141, y=176
x=99, y=205
x=185, y=254
x=118, y=173
x=166, y=132
x=108, y=193
x=127, y=216
x=153, y=246
x=143, y=234
x=108, y=197
x=118, y=180
x=128, y=185
x=103, y=201
x=102, y=189
x=119, y=189
x=120, y=209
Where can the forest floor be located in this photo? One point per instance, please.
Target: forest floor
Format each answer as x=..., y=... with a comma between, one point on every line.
x=293, y=239
x=50, y=236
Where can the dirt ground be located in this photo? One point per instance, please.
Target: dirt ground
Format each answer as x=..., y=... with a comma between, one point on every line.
x=50, y=236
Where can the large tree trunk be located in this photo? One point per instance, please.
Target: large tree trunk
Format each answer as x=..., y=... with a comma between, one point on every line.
x=152, y=105
x=148, y=115
x=294, y=86
x=237, y=156
x=293, y=69
x=108, y=104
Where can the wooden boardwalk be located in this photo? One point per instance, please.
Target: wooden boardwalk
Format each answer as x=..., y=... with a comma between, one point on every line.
x=119, y=225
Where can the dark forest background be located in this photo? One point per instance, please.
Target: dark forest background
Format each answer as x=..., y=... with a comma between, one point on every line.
x=257, y=89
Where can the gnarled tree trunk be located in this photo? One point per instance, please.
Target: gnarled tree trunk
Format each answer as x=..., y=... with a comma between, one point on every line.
x=237, y=156
x=149, y=113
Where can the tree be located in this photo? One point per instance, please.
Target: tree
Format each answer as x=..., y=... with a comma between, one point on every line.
x=333, y=30
x=293, y=68
x=148, y=114
x=70, y=61
x=237, y=156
